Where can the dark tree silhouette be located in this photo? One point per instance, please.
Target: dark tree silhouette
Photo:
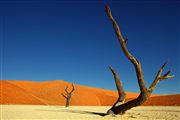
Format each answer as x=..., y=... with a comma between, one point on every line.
x=120, y=106
x=68, y=95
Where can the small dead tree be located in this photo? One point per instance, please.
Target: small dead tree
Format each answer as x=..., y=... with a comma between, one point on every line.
x=120, y=106
x=68, y=95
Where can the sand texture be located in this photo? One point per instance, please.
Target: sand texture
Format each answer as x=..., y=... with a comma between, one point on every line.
x=12, y=112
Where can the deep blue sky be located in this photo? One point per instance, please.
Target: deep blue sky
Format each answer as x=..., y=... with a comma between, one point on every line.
x=75, y=41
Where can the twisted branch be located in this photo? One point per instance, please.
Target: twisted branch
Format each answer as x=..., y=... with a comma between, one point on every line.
x=122, y=42
x=145, y=92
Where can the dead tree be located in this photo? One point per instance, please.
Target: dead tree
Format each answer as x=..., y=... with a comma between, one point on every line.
x=68, y=95
x=120, y=106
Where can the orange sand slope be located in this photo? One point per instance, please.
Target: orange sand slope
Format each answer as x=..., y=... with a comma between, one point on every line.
x=49, y=93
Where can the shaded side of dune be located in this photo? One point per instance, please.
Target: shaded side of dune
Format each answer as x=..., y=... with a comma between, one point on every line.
x=49, y=93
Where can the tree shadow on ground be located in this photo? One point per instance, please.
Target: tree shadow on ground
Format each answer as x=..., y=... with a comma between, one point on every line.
x=76, y=111
x=87, y=112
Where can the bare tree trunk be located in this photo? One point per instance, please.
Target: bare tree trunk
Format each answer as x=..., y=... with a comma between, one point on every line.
x=68, y=95
x=119, y=106
x=67, y=102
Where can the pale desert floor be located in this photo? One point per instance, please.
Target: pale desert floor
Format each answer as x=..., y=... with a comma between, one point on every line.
x=11, y=112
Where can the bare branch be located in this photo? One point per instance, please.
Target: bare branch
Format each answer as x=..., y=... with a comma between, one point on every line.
x=63, y=95
x=72, y=88
x=159, y=77
x=164, y=65
x=66, y=90
x=166, y=74
x=126, y=40
x=122, y=42
x=160, y=71
x=122, y=94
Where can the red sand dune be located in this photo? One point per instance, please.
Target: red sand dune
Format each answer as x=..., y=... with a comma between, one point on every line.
x=170, y=100
x=49, y=93
x=12, y=94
